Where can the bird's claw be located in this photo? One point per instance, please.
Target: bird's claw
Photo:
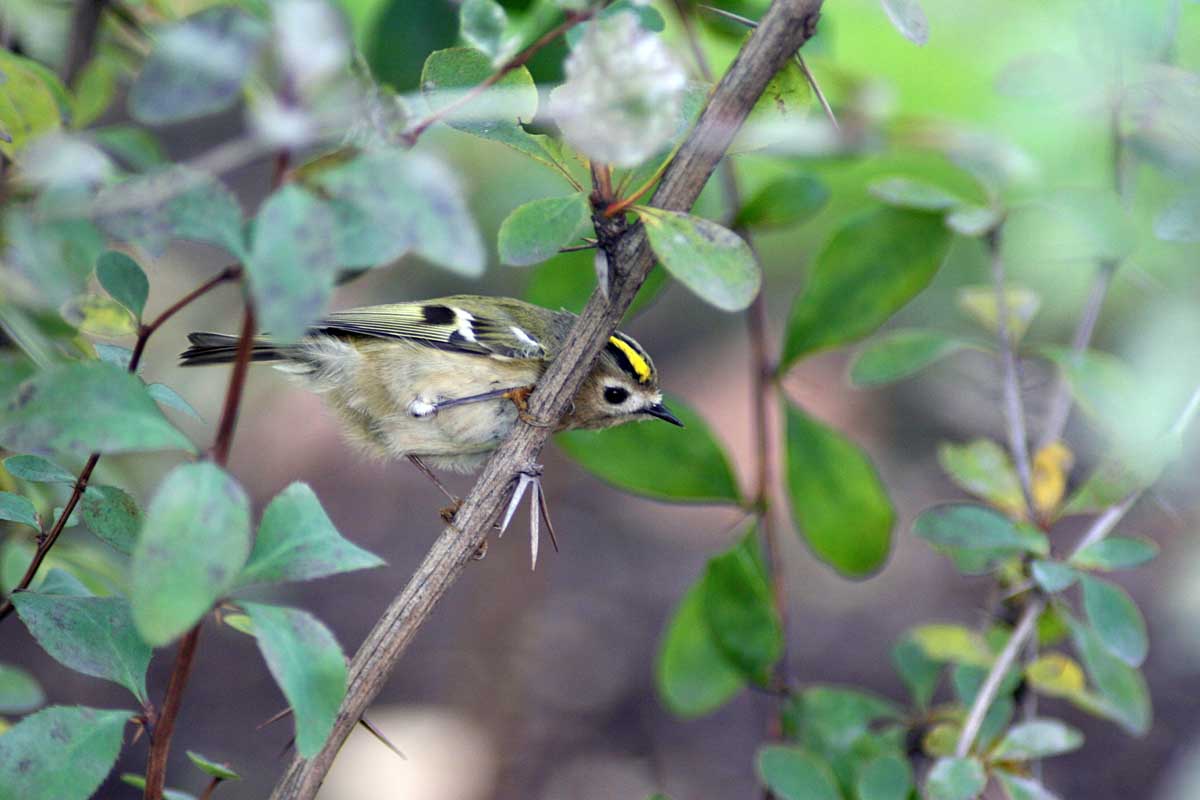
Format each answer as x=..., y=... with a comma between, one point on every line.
x=530, y=480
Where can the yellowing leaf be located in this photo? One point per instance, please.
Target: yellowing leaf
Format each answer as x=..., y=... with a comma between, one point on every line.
x=941, y=740
x=953, y=643
x=1051, y=465
x=984, y=469
x=979, y=302
x=1056, y=675
x=99, y=316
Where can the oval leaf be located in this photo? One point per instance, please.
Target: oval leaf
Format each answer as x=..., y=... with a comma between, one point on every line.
x=297, y=542
x=15, y=508
x=1123, y=696
x=99, y=316
x=887, y=777
x=952, y=643
x=1053, y=576
x=92, y=635
x=37, y=470
x=124, y=280
x=901, y=353
x=194, y=541
x=692, y=675
x=197, y=66
x=788, y=200
x=213, y=768
x=482, y=24
x=712, y=261
x=86, y=742
x=1037, y=738
x=909, y=18
x=908, y=193
x=536, y=231
x=19, y=691
x=739, y=612
x=838, y=502
x=112, y=515
x=661, y=449
x=308, y=665
x=1116, y=619
x=983, y=468
x=1115, y=552
x=42, y=415
x=292, y=262
x=972, y=527
x=793, y=773
x=955, y=779
x=869, y=269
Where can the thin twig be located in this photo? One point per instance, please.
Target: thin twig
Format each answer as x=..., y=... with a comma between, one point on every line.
x=411, y=135
x=144, y=333
x=164, y=726
x=1026, y=625
x=786, y=26
x=208, y=790
x=1014, y=412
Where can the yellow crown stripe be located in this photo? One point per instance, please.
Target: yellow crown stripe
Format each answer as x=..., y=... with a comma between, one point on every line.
x=640, y=367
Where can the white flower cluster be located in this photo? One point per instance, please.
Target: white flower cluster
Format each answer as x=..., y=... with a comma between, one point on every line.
x=623, y=98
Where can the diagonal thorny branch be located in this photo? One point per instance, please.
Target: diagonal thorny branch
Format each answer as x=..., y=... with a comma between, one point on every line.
x=784, y=28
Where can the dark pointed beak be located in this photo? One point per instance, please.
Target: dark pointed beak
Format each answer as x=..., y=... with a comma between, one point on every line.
x=663, y=413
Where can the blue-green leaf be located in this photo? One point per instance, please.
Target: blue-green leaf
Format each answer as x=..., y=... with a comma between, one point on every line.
x=112, y=515
x=19, y=691
x=124, y=280
x=537, y=230
x=86, y=742
x=308, y=665
x=194, y=541
x=37, y=470
x=1116, y=619
x=793, y=773
x=955, y=779
x=900, y=354
x=297, y=541
x=712, y=261
x=693, y=676
x=15, y=508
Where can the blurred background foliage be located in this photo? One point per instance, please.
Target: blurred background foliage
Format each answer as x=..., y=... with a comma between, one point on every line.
x=543, y=684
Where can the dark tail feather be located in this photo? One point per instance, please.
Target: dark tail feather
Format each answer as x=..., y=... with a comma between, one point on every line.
x=217, y=348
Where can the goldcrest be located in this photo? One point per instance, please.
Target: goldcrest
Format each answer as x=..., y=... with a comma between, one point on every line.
x=445, y=379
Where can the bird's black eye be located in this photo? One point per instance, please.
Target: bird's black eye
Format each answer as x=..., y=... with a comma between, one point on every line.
x=616, y=395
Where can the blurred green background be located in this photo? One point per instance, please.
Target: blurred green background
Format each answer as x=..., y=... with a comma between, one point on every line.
x=540, y=685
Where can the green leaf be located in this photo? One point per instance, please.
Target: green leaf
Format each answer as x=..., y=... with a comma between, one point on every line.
x=739, y=611
x=1115, y=552
x=964, y=526
x=787, y=200
x=712, y=261
x=206, y=211
x=831, y=719
x=1017, y=787
x=482, y=24
x=85, y=744
x=297, y=542
x=308, y=665
x=983, y=468
x=901, y=353
x=42, y=416
x=214, y=768
x=567, y=281
x=112, y=515
x=1056, y=675
x=167, y=396
x=870, y=268
x=661, y=448
x=19, y=691
x=1037, y=738
x=793, y=773
x=1122, y=690
x=37, y=470
x=1105, y=387
x=536, y=231
x=124, y=280
x=979, y=302
x=904, y=192
x=197, y=66
x=92, y=635
x=292, y=262
x=953, y=644
x=1116, y=619
x=919, y=672
x=95, y=89
x=692, y=675
x=139, y=782
x=59, y=581
x=1118, y=476
x=1053, y=576
x=15, y=508
x=120, y=357
x=838, y=502
x=387, y=203
x=55, y=255
x=955, y=779
x=28, y=107
x=131, y=145
x=194, y=541
x=496, y=113
x=887, y=777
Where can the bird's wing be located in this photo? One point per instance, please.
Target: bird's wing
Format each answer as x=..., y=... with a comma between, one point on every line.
x=438, y=324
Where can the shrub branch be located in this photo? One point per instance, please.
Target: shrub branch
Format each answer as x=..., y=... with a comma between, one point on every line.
x=784, y=28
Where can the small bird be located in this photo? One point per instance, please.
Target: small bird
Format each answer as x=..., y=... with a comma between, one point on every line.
x=444, y=381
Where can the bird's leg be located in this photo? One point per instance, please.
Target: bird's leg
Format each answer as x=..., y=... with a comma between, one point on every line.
x=447, y=513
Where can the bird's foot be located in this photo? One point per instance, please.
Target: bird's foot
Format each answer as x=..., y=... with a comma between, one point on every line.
x=520, y=398
x=531, y=480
